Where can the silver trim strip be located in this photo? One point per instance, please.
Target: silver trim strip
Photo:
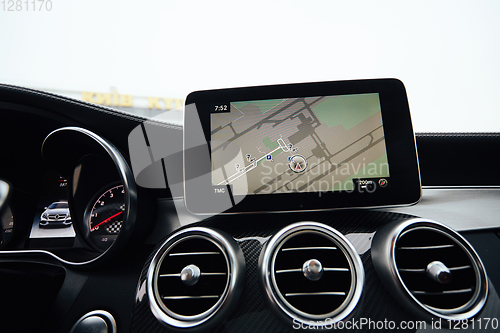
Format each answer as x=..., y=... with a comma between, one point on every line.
x=324, y=293
x=459, y=268
x=293, y=270
x=444, y=292
x=309, y=248
x=432, y=247
x=336, y=270
x=190, y=253
x=201, y=274
x=423, y=270
x=190, y=297
x=412, y=270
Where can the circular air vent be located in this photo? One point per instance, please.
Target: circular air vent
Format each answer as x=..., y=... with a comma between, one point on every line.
x=430, y=269
x=196, y=275
x=312, y=273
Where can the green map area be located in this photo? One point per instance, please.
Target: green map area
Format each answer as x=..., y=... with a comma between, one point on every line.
x=311, y=144
x=348, y=111
x=263, y=106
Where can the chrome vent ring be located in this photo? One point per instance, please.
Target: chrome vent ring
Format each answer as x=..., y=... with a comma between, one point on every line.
x=430, y=269
x=195, y=277
x=311, y=272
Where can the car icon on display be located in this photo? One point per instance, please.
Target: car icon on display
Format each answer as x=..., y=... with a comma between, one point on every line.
x=56, y=215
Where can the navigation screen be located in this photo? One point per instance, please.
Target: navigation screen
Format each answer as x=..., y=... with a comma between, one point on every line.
x=299, y=147
x=311, y=144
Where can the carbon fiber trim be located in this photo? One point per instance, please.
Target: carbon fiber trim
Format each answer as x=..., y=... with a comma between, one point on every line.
x=253, y=313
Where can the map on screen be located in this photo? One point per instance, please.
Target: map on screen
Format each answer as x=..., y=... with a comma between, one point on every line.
x=311, y=144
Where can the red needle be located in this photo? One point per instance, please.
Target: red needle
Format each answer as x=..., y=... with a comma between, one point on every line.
x=106, y=220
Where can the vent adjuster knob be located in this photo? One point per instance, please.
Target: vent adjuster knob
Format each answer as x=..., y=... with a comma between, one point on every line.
x=438, y=272
x=312, y=269
x=190, y=275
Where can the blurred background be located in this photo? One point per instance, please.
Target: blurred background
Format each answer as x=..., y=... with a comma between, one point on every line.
x=146, y=56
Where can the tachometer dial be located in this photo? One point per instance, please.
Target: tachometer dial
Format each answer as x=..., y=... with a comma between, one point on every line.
x=106, y=217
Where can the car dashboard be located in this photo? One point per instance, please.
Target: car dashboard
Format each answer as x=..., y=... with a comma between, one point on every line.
x=128, y=256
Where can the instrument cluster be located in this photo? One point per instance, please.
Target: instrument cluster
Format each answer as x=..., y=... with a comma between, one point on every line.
x=86, y=207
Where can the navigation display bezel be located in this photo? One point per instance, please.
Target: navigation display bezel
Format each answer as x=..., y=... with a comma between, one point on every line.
x=404, y=189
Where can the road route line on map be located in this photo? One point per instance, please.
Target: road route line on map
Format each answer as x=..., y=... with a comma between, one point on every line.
x=252, y=166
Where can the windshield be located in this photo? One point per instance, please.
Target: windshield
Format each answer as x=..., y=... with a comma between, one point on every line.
x=146, y=57
x=55, y=205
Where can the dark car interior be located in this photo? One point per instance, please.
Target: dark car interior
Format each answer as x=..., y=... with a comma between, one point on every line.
x=139, y=261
